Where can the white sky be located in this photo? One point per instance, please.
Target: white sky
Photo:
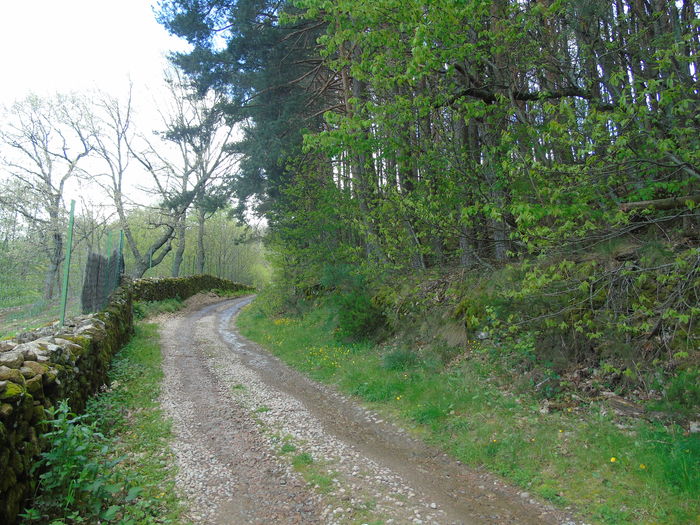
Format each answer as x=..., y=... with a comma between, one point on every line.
x=64, y=46
x=49, y=46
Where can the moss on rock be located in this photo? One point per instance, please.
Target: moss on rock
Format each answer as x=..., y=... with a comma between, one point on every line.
x=12, y=392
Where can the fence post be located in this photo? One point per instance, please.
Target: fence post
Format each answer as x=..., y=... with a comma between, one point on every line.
x=66, y=270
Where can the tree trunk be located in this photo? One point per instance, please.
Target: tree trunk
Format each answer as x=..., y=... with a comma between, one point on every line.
x=360, y=183
x=467, y=257
x=177, y=260
x=200, y=241
x=52, y=285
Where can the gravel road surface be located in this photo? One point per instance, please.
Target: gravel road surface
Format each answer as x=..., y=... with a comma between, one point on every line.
x=241, y=417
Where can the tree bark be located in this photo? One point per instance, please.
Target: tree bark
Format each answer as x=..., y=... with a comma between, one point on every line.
x=51, y=280
x=200, y=241
x=180, y=251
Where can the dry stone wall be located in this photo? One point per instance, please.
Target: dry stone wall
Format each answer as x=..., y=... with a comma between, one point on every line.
x=41, y=368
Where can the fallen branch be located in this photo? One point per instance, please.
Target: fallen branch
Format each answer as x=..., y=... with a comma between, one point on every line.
x=662, y=204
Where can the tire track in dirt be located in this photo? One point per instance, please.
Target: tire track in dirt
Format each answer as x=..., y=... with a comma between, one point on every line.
x=233, y=404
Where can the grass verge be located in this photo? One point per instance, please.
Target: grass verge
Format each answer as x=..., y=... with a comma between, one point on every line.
x=145, y=309
x=613, y=472
x=118, y=450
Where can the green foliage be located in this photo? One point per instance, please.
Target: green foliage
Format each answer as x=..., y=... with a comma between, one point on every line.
x=358, y=317
x=79, y=483
x=145, y=309
x=682, y=392
x=398, y=137
x=110, y=465
x=233, y=250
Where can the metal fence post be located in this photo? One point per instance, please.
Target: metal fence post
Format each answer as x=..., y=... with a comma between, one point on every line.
x=66, y=270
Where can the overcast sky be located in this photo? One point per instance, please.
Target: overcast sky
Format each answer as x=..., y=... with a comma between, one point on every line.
x=64, y=46
x=49, y=46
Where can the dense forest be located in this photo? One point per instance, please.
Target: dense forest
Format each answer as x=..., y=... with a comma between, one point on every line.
x=533, y=165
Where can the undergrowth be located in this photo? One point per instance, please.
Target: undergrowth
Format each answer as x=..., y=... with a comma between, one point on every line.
x=614, y=470
x=111, y=464
x=145, y=309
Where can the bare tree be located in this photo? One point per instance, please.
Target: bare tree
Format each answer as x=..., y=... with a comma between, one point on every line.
x=185, y=163
x=112, y=127
x=44, y=141
x=199, y=162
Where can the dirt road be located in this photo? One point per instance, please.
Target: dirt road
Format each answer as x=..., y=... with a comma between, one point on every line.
x=241, y=418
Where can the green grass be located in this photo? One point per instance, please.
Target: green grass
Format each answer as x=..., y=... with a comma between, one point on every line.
x=302, y=460
x=564, y=457
x=314, y=473
x=19, y=290
x=146, y=309
x=286, y=448
x=28, y=317
x=130, y=413
x=133, y=455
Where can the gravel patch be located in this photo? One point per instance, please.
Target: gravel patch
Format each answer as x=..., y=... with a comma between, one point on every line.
x=236, y=410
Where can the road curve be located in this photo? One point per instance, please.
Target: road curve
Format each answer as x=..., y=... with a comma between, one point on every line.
x=236, y=408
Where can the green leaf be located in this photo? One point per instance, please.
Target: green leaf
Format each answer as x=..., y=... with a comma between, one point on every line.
x=133, y=493
x=110, y=513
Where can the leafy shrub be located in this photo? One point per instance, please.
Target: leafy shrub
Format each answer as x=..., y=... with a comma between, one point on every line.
x=79, y=483
x=358, y=317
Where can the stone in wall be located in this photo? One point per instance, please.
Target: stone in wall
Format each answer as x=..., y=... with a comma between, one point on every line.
x=38, y=369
